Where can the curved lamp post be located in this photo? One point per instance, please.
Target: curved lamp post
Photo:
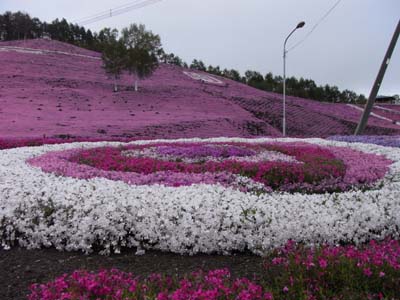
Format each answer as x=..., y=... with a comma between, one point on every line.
x=300, y=25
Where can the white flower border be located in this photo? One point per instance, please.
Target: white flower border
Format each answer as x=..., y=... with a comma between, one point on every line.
x=40, y=209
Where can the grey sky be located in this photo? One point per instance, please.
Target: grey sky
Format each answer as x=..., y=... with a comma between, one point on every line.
x=346, y=49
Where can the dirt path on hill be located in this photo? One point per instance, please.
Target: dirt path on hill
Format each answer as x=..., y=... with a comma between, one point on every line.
x=21, y=267
x=43, y=51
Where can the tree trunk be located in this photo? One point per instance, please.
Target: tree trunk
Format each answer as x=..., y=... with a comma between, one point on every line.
x=136, y=85
x=115, y=85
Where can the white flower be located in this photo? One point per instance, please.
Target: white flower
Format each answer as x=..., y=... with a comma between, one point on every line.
x=41, y=209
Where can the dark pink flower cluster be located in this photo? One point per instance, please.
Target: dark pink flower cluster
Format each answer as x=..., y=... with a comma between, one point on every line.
x=115, y=284
x=290, y=273
x=196, y=151
x=317, y=164
x=374, y=255
x=310, y=168
x=372, y=270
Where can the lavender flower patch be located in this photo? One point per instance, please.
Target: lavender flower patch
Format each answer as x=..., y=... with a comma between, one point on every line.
x=388, y=141
x=293, y=167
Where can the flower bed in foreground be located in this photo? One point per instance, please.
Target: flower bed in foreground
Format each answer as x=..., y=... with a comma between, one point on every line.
x=292, y=272
x=63, y=201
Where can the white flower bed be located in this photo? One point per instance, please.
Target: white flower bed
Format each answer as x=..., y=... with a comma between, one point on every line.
x=262, y=156
x=40, y=209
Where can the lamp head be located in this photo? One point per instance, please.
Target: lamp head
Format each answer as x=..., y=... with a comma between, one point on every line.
x=301, y=24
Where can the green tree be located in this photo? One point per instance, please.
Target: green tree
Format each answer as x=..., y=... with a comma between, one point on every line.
x=198, y=65
x=348, y=96
x=214, y=70
x=171, y=59
x=231, y=74
x=114, y=58
x=143, y=49
x=23, y=25
x=254, y=79
x=141, y=64
x=104, y=37
x=136, y=36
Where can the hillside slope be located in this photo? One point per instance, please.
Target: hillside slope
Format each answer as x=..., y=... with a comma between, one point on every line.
x=55, y=89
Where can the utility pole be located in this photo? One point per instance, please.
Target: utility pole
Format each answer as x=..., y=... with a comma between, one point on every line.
x=378, y=81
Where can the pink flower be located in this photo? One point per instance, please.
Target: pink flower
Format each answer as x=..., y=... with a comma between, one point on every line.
x=323, y=263
x=367, y=272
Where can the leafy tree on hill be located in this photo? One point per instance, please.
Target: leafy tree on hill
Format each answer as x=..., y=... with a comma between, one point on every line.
x=198, y=65
x=136, y=36
x=254, y=79
x=175, y=60
x=214, y=70
x=114, y=58
x=141, y=64
x=171, y=59
x=143, y=49
x=106, y=36
x=232, y=74
x=136, y=52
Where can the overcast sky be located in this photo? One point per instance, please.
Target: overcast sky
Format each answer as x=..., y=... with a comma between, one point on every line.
x=345, y=50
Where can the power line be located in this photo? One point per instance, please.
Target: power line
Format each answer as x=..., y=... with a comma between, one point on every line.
x=105, y=12
x=316, y=25
x=115, y=11
x=118, y=11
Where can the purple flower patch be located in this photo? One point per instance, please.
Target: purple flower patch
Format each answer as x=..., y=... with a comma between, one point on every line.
x=288, y=167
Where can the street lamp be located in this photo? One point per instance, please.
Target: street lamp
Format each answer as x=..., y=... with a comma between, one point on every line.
x=300, y=25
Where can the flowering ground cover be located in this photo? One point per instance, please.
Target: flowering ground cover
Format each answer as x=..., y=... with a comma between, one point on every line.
x=290, y=167
x=62, y=90
x=10, y=143
x=209, y=196
x=388, y=141
x=97, y=208
x=56, y=94
x=291, y=272
x=337, y=203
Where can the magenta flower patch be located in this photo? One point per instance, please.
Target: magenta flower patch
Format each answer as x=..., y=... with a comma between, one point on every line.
x=324, y=272
x=289, y=167
x=115, y=284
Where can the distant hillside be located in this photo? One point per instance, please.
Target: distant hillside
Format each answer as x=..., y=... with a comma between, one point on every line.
x=56, y=89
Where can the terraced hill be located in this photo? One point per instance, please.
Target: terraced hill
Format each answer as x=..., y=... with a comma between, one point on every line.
x=56, y=89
